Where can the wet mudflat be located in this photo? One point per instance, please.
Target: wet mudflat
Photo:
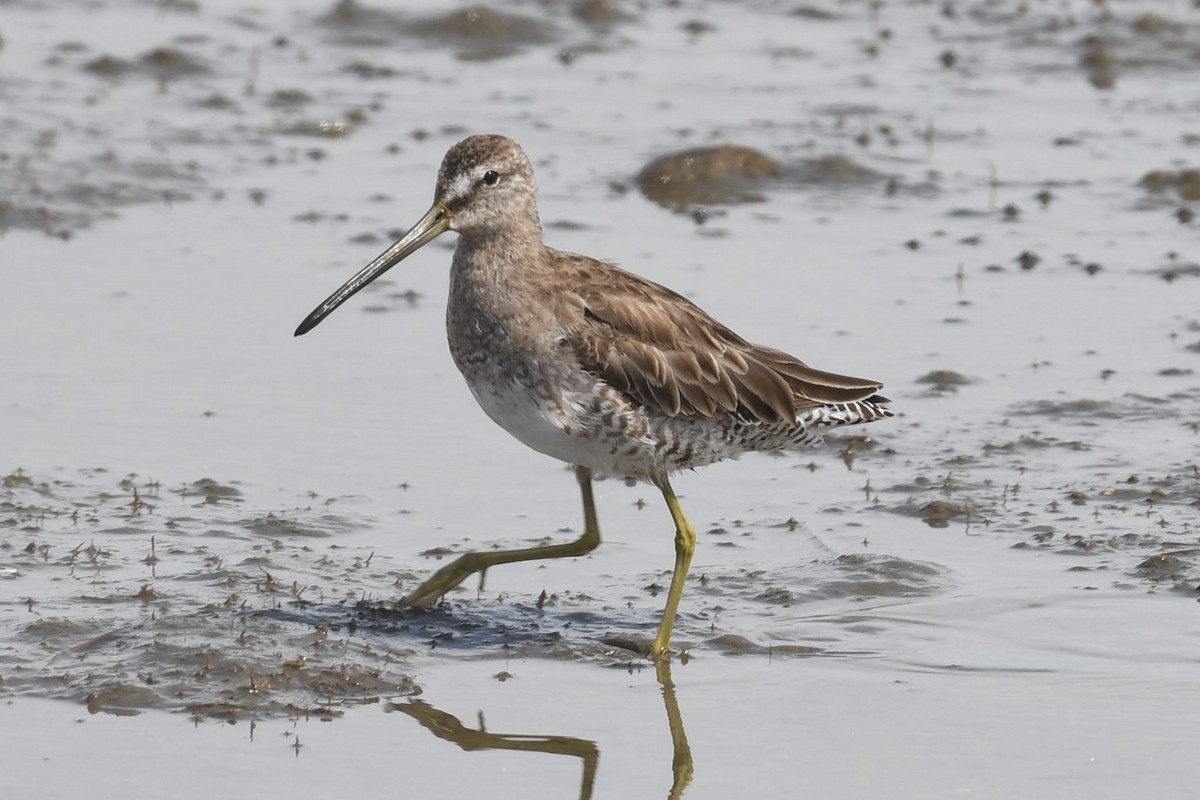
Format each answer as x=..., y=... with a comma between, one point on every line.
x=203, y=522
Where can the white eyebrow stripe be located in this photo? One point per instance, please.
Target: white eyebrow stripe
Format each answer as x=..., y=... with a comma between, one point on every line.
x=461, y=185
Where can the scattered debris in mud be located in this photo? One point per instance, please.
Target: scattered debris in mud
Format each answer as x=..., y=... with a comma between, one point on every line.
x=128, y=595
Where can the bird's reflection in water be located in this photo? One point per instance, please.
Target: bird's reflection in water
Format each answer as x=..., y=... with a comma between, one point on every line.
x=447, y=726
x=681, y=759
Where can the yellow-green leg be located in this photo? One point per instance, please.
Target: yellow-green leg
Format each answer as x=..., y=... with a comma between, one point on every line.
x=468, y=564
x=685, y=546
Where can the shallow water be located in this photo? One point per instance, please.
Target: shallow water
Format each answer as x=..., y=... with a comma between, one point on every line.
x=992, y=594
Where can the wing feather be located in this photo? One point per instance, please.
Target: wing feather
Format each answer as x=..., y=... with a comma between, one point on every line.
x=669, y=355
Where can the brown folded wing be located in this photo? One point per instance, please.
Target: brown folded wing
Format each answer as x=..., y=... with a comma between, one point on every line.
x=670, y=356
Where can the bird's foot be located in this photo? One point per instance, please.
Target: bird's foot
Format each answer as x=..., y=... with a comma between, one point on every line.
x=445, y=579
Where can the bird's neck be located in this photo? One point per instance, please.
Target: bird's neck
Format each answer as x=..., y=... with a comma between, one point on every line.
x=499, y=255
x=493, y=283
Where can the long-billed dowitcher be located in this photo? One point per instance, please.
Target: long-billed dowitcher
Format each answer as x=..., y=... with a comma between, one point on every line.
x=596, y=366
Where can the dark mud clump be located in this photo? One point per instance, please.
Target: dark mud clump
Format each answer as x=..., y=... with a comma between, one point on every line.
x=833, y=171
x=107, y=66
x=480, y=33
x=1099, y=61
x=938, y=513
x=212, y=491
x=599, y=14
x=708, y=176
x=1176, y=268
x=476, y=33
x=164, y=64
x=941, y=381
x=1184, y=182
x=731, y=174
x=354, y=24
x=170, y=63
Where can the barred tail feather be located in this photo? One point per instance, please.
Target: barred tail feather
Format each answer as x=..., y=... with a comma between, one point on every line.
x=835, y=414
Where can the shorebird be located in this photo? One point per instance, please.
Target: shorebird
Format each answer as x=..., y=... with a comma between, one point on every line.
x=596, y=366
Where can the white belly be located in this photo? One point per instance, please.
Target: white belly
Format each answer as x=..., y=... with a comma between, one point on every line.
x=566, y=428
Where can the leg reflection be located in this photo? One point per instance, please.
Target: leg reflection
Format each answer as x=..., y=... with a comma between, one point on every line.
x=681, y=760
x=446, y=726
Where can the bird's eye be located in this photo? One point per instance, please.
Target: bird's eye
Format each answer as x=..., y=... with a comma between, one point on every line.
x=491, y=177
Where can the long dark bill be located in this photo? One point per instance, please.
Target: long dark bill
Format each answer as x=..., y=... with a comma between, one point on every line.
x=432, y=225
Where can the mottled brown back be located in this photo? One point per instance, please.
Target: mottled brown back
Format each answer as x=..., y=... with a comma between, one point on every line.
x=669, y=355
